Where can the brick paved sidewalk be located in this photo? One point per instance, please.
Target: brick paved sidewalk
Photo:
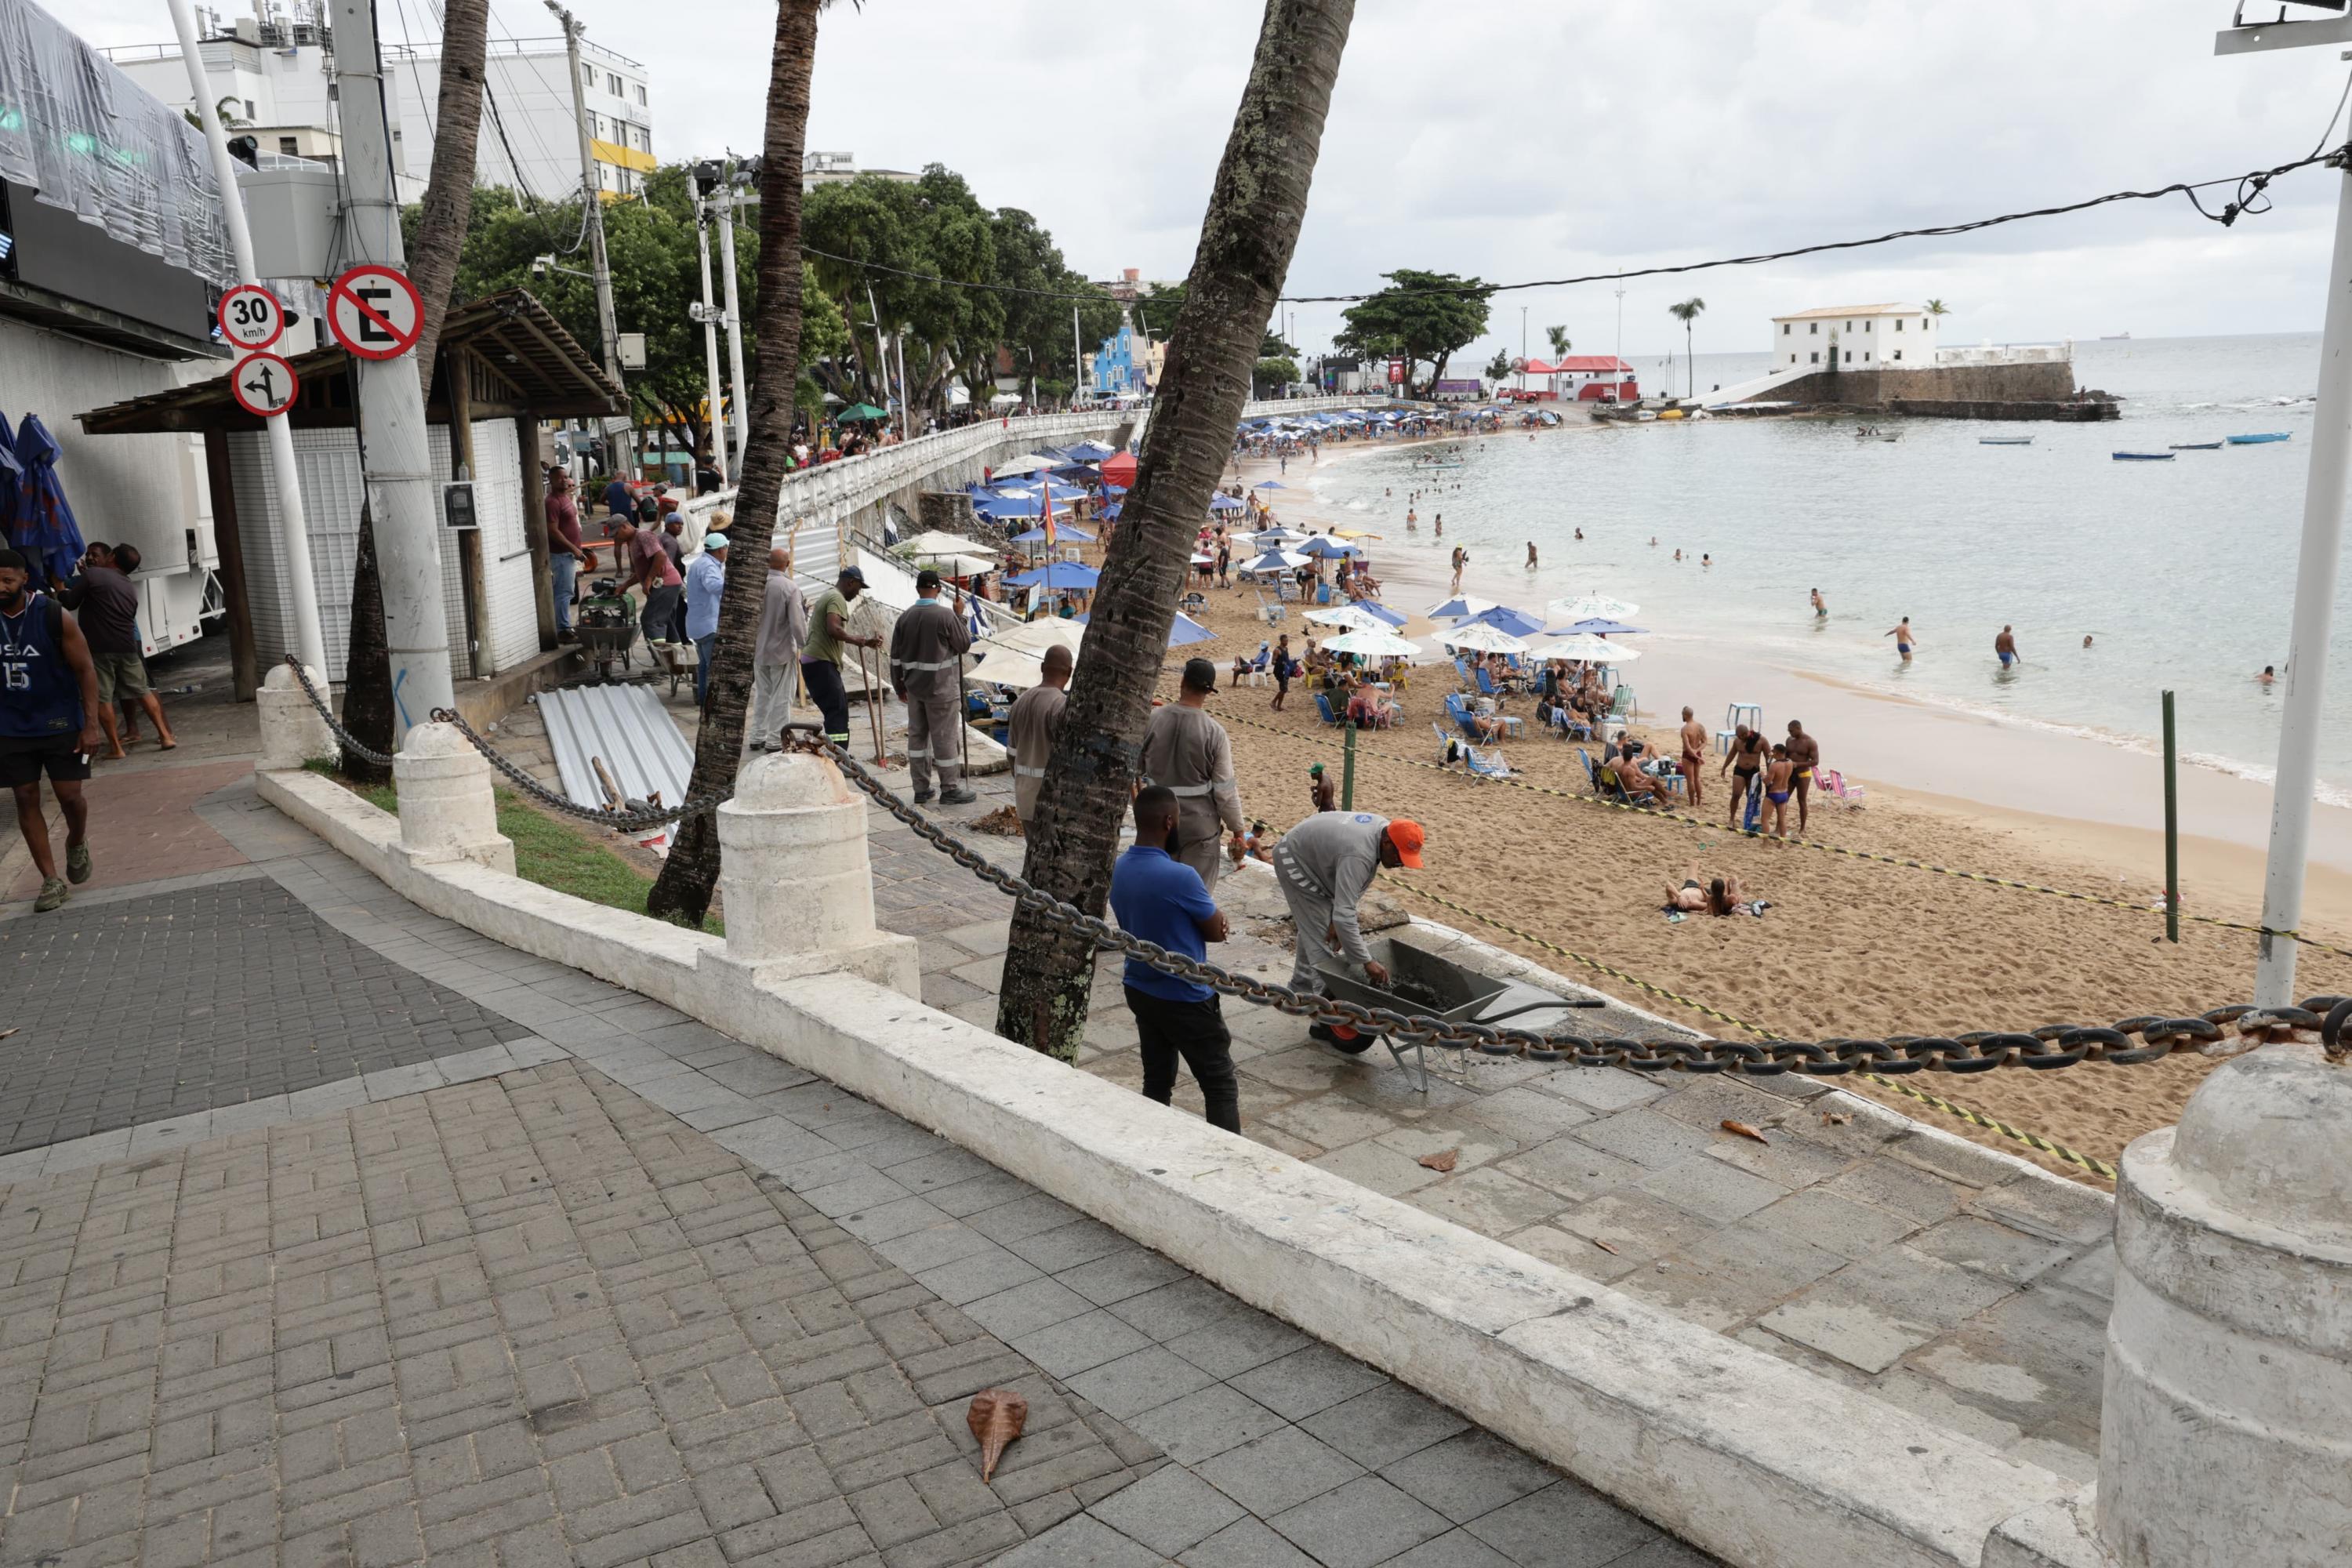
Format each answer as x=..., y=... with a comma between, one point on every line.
x=621, y=1290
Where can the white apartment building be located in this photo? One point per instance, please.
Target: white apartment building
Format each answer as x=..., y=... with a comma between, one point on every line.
x=274, y=72
x=1855, y=337
x=840, y=168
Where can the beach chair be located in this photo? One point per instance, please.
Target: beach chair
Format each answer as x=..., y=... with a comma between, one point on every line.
x=1194, y=603
x=1461, y=670
x=1286, y=589
x=1569, y=726
x=1622, y=705
x=1449, y=750
x=1323, y=706
x=1749, y=713
x=1489, y=766
x=1485, y=682
x=1833, y=785
x=1605, y=783
x=1270, y=614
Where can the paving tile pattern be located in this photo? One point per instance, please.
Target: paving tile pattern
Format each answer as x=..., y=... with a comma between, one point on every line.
x=137, y=1009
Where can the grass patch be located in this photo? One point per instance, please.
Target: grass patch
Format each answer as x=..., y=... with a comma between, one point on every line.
x=547, y=852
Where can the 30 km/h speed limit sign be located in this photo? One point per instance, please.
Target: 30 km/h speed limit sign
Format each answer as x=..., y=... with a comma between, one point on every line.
x=374, y=311
x=263, y=384
x=251, y=317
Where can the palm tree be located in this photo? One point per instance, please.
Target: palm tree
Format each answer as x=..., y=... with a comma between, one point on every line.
x=691, y=874
x=433, y=267
x=1248, y=237
x=1938, y=308
x=1559, y=339
x=1686, y=312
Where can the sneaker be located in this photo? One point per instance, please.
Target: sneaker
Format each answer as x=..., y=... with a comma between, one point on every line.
x=957, y=796
x=77, y=863
x=54, y=893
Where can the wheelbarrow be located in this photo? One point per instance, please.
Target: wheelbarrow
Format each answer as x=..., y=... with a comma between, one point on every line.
x=1434, y=987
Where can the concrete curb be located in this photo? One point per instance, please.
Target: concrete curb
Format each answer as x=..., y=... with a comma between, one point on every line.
x=1758, y=1461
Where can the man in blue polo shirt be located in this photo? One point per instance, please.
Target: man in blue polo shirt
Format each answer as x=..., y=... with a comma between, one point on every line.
x=1159, y=898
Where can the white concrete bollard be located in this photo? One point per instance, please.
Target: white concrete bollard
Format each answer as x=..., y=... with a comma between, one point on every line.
x=798, y=884
x=292, y=733
x=2226, y=1436
x=446, y=809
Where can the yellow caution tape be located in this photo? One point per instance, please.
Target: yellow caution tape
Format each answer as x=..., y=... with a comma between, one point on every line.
x=2098, y=1168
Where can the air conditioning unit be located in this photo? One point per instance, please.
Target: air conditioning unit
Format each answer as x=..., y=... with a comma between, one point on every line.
x=291, y=210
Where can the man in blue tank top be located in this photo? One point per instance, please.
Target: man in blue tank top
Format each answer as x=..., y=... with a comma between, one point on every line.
x=49, y=722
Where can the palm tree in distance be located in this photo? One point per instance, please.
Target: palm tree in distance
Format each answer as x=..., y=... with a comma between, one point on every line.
x=1686, y=312
x=1559, y=339
x=1938, y=308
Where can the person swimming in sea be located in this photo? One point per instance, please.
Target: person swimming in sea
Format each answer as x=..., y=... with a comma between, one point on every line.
x=1904, y=640
x=1820, y=607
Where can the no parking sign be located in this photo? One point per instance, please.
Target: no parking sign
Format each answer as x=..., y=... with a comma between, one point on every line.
x=375, y=312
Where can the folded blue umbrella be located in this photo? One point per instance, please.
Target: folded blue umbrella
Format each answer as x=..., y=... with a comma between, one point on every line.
x=11, y=471
x=45, y=529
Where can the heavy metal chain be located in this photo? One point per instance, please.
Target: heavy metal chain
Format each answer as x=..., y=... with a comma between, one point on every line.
x=2126, y=1042
x=348, y=741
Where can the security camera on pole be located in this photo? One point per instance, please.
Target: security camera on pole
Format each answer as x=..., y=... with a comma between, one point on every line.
x=373, y=311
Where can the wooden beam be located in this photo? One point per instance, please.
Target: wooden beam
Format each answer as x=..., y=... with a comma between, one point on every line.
x=242, y=664
x=534, y=528
x=473, y=576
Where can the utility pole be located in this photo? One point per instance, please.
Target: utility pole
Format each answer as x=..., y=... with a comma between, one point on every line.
x=906, y=403
x=881, y=349
x=310, y=644
x=734, y=318
x=718, y=422
x=1618, y=353
x=395, y=454
x=1523, y=351
x=2315, y=569
x=592, y=191
x=1077, y=360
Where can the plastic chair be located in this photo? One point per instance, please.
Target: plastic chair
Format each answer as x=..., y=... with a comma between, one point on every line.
x=1490, y=766
x=1749, y=713
x=1485, y=682
x=1323, y=706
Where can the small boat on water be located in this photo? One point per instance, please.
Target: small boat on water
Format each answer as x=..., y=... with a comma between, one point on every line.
x=2144, y=457
x=2004, y=440
x=2197, y=446
x=2258, y=439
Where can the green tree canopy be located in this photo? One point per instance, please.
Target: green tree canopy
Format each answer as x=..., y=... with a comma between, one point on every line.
x=1420, y=317
x=1272, y=374
x=657, y=276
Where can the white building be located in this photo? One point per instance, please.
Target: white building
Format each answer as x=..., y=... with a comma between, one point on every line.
x=840, y=168
x=1855, y=337
x=274, y=73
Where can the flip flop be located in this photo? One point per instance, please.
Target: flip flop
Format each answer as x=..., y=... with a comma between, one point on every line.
x=172, y=746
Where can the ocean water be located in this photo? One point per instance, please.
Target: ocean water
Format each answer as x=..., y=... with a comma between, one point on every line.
x=2181, y=572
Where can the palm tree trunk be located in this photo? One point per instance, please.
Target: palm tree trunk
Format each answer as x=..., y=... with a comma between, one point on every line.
x=691, y=874
x=1246, y=240
x=1690, y=360
x=440, y=236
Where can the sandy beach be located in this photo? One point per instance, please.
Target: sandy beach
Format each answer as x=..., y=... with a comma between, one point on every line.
x=1849, y=946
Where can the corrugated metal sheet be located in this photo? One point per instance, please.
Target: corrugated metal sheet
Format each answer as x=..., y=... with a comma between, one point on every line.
x=627, y=727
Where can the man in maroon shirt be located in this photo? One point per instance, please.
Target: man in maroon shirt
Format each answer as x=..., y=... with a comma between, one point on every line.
x=565, y=552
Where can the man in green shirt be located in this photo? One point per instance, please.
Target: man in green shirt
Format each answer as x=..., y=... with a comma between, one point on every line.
x=820, y=653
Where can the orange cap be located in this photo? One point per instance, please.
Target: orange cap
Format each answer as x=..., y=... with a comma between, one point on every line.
x=1406, y=836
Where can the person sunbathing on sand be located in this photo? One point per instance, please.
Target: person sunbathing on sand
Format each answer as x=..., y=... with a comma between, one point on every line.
x=1721, y=896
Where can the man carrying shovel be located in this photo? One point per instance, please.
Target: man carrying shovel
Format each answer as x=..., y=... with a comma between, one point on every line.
x=1324, y=865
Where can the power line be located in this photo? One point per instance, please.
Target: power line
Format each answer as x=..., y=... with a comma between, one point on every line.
x=2251, y=198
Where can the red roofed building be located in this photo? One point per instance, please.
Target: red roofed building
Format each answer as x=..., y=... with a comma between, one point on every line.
x=1583, y=378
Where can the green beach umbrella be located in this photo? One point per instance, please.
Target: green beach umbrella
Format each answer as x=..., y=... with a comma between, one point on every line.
x=863, y=411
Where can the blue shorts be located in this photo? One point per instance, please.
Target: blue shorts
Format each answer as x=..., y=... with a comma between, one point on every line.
x=1902, y=648
x=2007, y=659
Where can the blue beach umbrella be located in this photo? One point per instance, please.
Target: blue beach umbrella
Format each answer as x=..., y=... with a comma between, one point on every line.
x=1092, y=451
x=1502, y=617
x=1272, y=485
x=1274, y=561
x=1056, y=575
x=1329, y=549
x=1393, y=617
x=1182, y=632
x=1604, y=628
x=45, y=529
x=1227, y=503
x=1061, y=531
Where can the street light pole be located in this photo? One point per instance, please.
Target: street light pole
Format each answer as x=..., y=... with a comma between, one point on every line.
x=716, y=423
x=309, y=642
x=1523, y=351
x=734, y=318
x=591, y=192
x=395, y=451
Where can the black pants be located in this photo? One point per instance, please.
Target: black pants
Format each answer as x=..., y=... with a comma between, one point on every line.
x=1195, y=1031
x=822, y=678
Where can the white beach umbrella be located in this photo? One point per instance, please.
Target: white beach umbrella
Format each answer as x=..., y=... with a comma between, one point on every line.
x=1029, y=463
x=1482, y=639
x=1275, y=561
x=931, y=542
x=1010, y=667
x=1382, y=644
x=1590, y=607
x=1347, y=617
x=958, y=566
x=1271, y=537
x=1033, y=637
x=1591, y=649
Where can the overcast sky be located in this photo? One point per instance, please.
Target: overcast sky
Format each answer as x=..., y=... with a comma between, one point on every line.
x=1528, y=139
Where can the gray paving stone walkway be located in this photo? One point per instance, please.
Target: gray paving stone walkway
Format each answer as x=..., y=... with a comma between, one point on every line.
x=143, y=1008
x=620, y=1290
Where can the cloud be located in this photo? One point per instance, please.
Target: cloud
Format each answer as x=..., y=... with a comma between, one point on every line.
x=1516, y=140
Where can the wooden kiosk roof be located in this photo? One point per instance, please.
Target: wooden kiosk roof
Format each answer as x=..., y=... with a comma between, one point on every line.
x=520, y=360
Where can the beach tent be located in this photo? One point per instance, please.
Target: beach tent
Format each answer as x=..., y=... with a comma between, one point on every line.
x=858, y=412
x=1119, y=470
x=1056, y=575
x=1502, y=617
x=1382, y=644
x=1461, y=608
x=1275, y=561
x=1588, y=648
x=1591, y=607
x=1475, y=638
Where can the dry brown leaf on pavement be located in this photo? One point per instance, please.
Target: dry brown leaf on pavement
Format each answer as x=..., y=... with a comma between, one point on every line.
x=1602, y=1244
x=1744, y=1130
x=1442, y=1161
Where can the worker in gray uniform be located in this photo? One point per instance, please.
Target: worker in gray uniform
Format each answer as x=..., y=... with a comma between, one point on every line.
x=1034, y=721
x=1324, y=865
x=927, y=649
x=1190, y=752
